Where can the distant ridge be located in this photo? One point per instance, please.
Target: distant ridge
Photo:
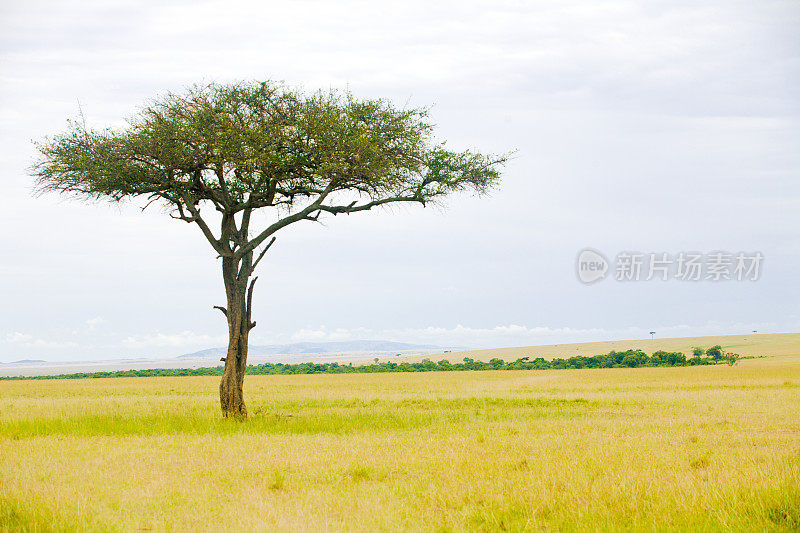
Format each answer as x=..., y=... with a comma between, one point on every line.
x=301, y=348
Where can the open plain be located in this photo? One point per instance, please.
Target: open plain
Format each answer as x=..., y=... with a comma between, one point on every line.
x=689, y=448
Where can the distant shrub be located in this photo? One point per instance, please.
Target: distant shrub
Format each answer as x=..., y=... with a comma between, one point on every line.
x=613, y=359
x=630, y=360
x=715, y=352
x=697, y=351
x=731, y=358
x=671, y=358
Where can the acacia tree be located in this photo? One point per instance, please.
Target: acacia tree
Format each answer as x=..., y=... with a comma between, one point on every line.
x=217, y=153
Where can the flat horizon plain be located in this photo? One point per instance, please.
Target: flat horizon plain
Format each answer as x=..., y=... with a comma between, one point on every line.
x=707, y=448
x=770, y=344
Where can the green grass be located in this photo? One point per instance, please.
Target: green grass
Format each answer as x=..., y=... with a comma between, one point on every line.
x=297, y=417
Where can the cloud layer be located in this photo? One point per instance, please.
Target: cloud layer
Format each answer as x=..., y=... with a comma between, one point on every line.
x=658, y=127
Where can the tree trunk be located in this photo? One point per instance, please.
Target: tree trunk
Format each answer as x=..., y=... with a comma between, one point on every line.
x=231, y=387
x=239, y=325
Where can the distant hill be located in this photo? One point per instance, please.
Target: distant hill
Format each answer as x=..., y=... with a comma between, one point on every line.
x=25, y=361
x=302, y=348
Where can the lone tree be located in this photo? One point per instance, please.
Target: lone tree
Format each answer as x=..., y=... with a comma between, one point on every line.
x=216, y=153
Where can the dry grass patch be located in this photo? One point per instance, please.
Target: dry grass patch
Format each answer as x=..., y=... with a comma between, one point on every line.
x=693, y=449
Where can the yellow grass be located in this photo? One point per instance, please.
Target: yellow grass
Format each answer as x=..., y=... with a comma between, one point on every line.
x=649, y=449
x=769, y=344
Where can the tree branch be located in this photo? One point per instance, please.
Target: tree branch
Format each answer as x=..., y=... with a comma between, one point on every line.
x=282, y=223
x=182, y=216
x=223, y=251
x=261, y=255
x=353, y=208
x=250, y=324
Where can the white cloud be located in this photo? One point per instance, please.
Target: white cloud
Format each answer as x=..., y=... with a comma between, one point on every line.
x=500, y=335
x=514, y=334
x=177, y=340
x=96, y=321
x=18, y=338
x=322, y=334
x=307, y=334
x=23, y=340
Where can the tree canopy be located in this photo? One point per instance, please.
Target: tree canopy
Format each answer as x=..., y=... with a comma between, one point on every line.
x=248, y=146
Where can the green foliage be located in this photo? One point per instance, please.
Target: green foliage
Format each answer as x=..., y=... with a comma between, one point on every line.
x=262, y=144
x=669, y=358
x=697, y=351
x=715, y=352
x=630, y=360
x=613, y=359
x=731, y=359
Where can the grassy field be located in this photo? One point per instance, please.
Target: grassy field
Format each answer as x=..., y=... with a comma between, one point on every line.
x=648, y=449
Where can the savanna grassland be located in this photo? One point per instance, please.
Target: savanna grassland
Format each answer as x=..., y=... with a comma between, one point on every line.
x=648, y=449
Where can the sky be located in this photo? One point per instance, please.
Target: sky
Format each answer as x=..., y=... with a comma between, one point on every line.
x=639, y=128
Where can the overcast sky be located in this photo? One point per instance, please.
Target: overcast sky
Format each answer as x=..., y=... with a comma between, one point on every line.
x=639, y=126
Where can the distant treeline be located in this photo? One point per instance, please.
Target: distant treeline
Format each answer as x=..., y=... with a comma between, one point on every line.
x=613, y=359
